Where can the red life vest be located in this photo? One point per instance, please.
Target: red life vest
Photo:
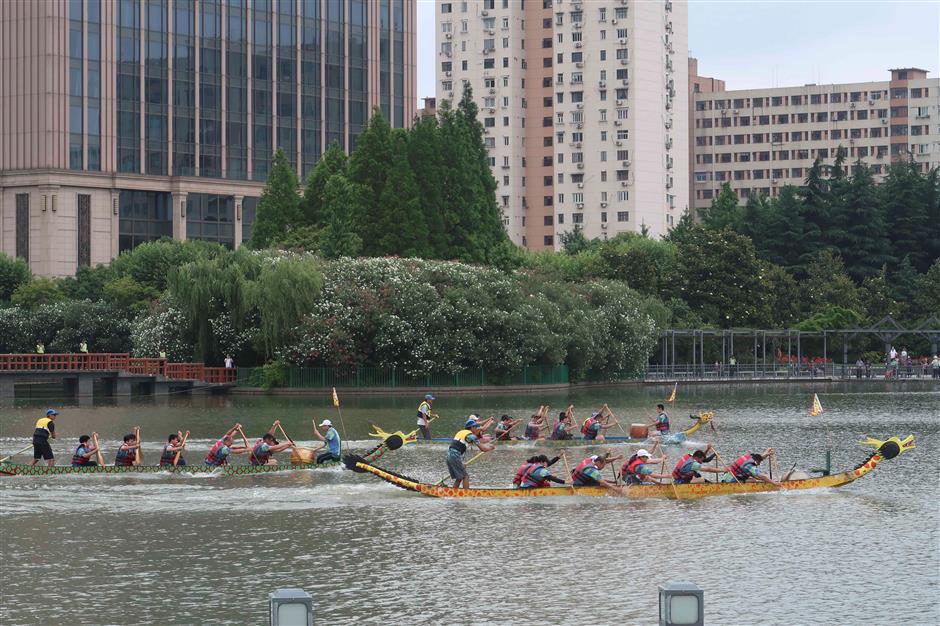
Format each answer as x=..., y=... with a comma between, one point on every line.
x=662, y=425
x=683, y=471
x=125, y=458
x=214, y=458
x=258, y=457
x=586, y=427
x=525, y=474
x=630, y=465
x=737, y=468
x=578, y=473
x=78, y=459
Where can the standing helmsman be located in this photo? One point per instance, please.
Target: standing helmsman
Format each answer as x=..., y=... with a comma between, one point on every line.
x=424, y=416
x=45, y=429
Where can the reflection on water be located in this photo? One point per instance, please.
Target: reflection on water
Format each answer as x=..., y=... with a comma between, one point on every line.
x=160, y=549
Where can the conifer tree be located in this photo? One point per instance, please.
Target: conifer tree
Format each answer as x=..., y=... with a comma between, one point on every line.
x=279, y=205
x=427, y=165
x=369, y=165
x=332, y=162
x=401, y=228
x=342, y=210
x=724, y=211
x=859, y=225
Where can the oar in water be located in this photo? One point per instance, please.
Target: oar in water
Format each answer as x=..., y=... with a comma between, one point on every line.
x=786, y=476
x=477, y=456
x=176, y=457
x=98, y=450
x=17, y=452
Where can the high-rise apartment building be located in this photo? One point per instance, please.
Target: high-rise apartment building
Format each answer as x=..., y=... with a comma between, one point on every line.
x=759, y=140
x=582, y=108
x=127, y=120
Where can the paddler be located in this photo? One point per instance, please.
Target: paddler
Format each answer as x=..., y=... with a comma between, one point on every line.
x=331, y=441
x=587, y=473
x=266, y=446
x=45, y=428
x=534, y=473
x=503, y=427
x=537, y=424
x=594, y=426
x=746, y=468
x=127, y=453
x=471, y=434
x=221, y=449
x=563, y=428
x=173, y=445
x=690, y=466
x=661, y=421
x=84, y=452
x=640, y=469
x=424, y=416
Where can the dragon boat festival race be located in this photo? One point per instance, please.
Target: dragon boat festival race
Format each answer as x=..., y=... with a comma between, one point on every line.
x=802, y=488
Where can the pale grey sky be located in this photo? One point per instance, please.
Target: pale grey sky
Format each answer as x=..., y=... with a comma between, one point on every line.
x=751, y=44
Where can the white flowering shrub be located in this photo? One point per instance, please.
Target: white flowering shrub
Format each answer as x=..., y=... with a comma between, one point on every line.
x=62, y=326
x=163, y=329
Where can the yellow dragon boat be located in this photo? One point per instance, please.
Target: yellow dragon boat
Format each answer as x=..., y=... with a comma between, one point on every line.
x=883, y=450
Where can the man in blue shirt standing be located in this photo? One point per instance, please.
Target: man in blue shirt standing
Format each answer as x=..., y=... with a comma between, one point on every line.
x=331, y=441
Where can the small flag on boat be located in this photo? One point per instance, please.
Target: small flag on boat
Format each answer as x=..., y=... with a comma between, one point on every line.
x=672, y=396
x=816, y=409
x=335, y=398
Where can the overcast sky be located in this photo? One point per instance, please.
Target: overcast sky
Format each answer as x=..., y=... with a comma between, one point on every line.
x=751, y=44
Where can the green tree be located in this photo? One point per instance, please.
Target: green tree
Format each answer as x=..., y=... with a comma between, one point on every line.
x=859, y=231
x=332, y=162
x=814, y=211
x=878, y=297
x=783, y=296
x=906, y=207
x=647, y=265
x=401, y=229
x=904, y=281
x=831, y=318
x=128, y=294
x=40, y=290
x=827, y=284
x=724, y=211
x=369, y=166
x=428, y=168
x=574, y=242
x=279, y=205
x=150, y=263
x=13, y=273
x=927, y=295
x=342, y=208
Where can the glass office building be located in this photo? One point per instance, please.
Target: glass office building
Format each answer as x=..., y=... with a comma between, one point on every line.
x=160, y=117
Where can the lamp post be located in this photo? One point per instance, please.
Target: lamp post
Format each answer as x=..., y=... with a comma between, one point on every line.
x=291, y=607
x=681, y=604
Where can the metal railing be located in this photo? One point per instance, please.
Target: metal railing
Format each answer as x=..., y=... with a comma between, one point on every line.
x=688, y=371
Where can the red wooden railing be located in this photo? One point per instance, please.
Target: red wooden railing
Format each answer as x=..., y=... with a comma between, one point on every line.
x=110, y=361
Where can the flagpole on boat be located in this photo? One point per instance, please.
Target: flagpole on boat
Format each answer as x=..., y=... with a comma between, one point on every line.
x=341, y=421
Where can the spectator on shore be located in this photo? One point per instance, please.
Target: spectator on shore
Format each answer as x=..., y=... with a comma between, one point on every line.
x=733, y=366
x=903, y=354
x=935, y=366
x=858, y=367
x=40, y=348
x=229, y=362
x=892, y=354
x=867, y=369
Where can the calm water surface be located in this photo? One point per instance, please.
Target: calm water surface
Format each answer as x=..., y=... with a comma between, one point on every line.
x=207, y=550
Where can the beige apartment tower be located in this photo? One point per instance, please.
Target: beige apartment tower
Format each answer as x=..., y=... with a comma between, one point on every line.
x=124, y=121
x=583, y=107
x=759, y=140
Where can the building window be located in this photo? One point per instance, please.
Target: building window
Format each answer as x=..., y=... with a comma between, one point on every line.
x=84, y=229
x=547, y=220
x=143, y=216
x=577, y=218
x=549, y=240
x=561, y=218
x=623, y=216
x=22, y=226
x=211, y=218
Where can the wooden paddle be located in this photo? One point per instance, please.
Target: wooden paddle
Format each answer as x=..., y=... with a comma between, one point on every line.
x=247, y=445
x=299, y=455
x=176, y=457
x=617, y=421
x=139, y=456
x=722, y=461
x=17, y=452
x=477, y=456
x=564, y=457
x=98, y=450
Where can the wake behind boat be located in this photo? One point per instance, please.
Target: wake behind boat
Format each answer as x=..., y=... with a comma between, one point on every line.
x=887, y=449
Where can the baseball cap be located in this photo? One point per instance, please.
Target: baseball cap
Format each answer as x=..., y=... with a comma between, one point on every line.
x=594, y=413
x=429, y=397
x=51, y=412
x=472, y=422
x=644, y=452
x=326, y=423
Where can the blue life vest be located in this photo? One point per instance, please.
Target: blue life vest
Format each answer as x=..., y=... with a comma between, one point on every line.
x=525, y=476
x=124, y=457
x=215, y=456
x=166, y=458
x=586, y=430
x=578, y=476
x=77, y=459
x=560, y=432
x=662, y=425
x=257, y=456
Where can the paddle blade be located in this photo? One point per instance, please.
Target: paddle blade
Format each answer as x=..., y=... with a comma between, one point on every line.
x=302, y=456
x=350, y=461
x=394, y=442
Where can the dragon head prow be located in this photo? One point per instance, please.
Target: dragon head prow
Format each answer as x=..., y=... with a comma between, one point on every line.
x=705, y=416
x=380, y=433
x=891, y=447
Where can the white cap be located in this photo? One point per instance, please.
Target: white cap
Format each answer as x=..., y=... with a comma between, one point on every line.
x=326, y=423
x=473, y=417
x=643, y=452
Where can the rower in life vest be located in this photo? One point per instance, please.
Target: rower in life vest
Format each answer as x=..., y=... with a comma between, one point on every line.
x=563, y=428
x=503, y=427
x=84, y=453
x=424, y=416
x=640, y=469
x=470, y=435
x=690, y=466
x=661, y=421
x=221, y=449
x=173, y=445
x=534, y=473
x=537, y=424
x=44, y=430
x=127, y=453
x=747, y=467
x=587, y=473
x=266, y=446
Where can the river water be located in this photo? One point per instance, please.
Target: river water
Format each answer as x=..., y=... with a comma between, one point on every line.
x=157, y=549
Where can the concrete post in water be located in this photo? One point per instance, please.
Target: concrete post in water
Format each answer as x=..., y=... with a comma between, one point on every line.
x=681, y=603
x=291, y=607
